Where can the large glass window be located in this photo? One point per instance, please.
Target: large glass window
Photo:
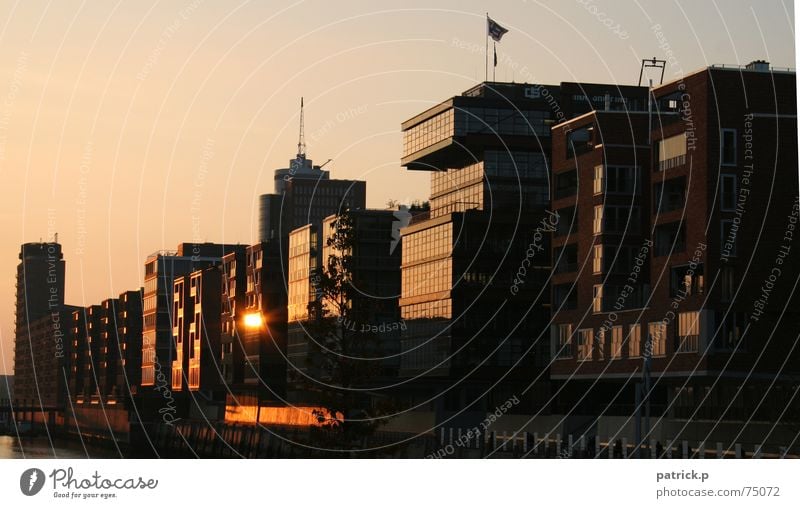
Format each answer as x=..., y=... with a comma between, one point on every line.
x=579, y=141
x=567, y=221
x=426, y=278
x=669, y=195
x=564, y=297
x=729, y=328
x=567, y=258
x=566, y=184
x=621, y=180
x=621, y=219
x=686, y=281
x=502, y=121
x=669, y=238
x=429, y=243
x=428, y=133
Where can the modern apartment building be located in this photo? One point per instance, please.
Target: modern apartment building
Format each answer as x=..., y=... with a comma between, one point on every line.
x=196, y=331
x=161, y=269
x=676, y=261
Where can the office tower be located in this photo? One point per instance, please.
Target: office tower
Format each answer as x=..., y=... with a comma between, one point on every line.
x=474, y=273
x=304, y=194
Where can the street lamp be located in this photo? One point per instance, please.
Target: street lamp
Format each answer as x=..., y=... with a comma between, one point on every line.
x=253, y=320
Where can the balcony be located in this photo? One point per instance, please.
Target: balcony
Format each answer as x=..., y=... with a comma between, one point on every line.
x=688, y=344
x=671, y=163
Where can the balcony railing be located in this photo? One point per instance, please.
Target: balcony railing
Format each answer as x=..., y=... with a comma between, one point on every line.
x=688, y=344
x=673, y=162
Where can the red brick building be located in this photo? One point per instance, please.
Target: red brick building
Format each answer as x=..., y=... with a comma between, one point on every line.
x=675, y=244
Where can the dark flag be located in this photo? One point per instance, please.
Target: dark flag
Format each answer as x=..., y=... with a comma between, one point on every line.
x=494, y=30
x=495, y=55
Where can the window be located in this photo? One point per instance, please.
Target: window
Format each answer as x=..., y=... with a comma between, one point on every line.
x=616, y=341
x=622, y=258
x=728, y=232
x=564, y=338
x=669, y=195
x=564, y=297
x=634, y=340
x=600, y=343
x=672, y=152
x=584, y=344
x=621, y=180
x=620, y=219
x=597, y=259
x=688, y=332
x=567, y=259
x=727, y=284
x=730, y=326
x=598, y=180
x=656, y=337
x=597, y=225
x=727, y=193
x=727, y=147
x=567, y=221
x=566, y=184
x=597, y=298
x=686, y=281
x=670, y=238
x=579, y=141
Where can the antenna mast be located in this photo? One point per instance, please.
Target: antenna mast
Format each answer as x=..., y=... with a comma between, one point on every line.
x=301, y=142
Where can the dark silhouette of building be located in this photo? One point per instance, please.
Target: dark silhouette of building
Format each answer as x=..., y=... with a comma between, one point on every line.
x=265, y=320
x=234, y=286
x=304, y=194
x=474, y=273
x=41, y=350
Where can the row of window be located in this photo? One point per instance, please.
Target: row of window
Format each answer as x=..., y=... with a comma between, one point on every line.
x=429, y=243
x=587, y=344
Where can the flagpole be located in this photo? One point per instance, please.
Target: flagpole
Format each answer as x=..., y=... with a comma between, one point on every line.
x=494, y=62
x=486, y=53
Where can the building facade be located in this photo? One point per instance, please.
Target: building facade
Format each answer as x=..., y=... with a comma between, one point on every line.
x=674, y=287
x=475, y=274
